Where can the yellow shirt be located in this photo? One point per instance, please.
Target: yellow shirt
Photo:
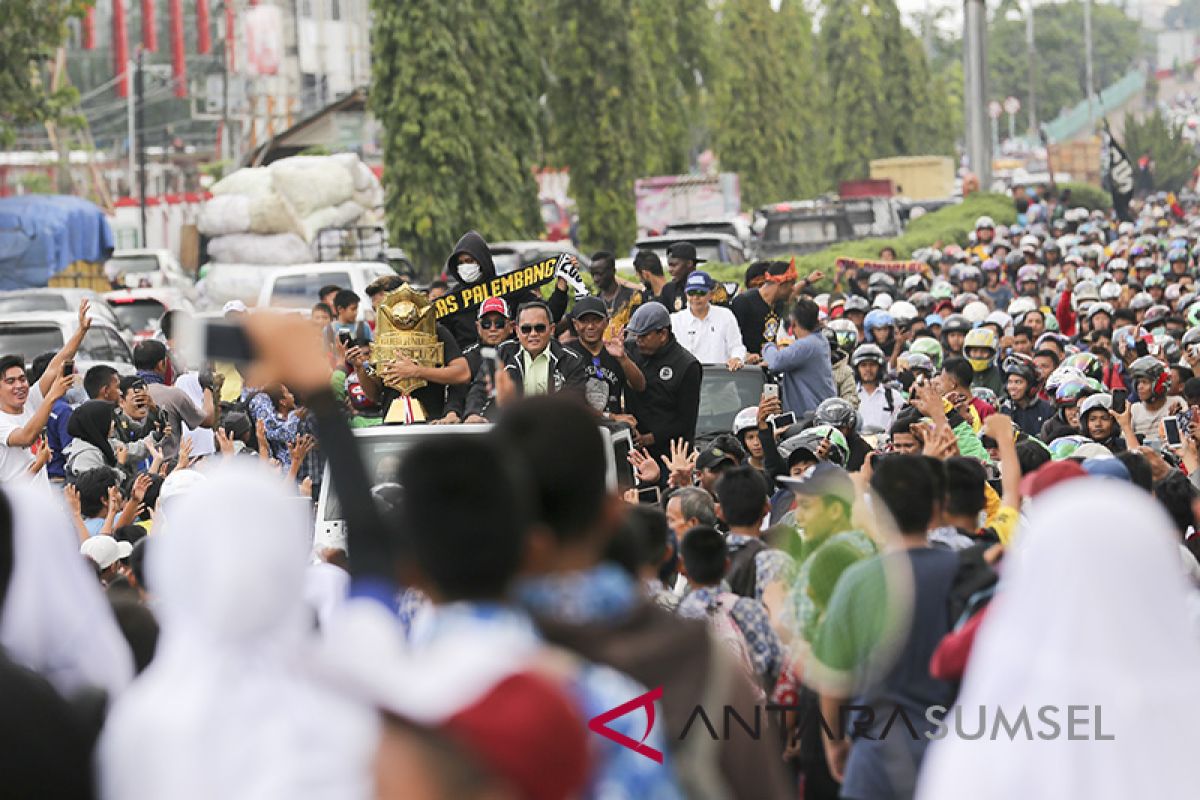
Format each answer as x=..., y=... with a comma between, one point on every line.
x=232, y=388
x=537, y=373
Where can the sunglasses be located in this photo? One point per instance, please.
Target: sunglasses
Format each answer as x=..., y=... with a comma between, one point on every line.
x=540, y=327
x=697, y=292
x=490, y=324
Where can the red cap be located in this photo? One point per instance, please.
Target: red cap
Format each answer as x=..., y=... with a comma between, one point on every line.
x=493, y=305
x=1050, y=475
x=526, y=731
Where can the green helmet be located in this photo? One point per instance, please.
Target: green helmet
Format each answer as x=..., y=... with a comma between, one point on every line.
x=930, y=348
x=1065, y=446
x=810, y=439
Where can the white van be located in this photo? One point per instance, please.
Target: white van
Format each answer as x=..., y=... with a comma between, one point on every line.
x=296, y=288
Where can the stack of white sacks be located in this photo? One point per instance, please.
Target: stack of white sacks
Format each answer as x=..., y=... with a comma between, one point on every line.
x=270, y=216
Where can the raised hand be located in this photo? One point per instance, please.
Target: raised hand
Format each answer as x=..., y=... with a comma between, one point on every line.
x=224, y=443
x=644, y=465
x=122, y=454
x=85, y=322
x=140, y=487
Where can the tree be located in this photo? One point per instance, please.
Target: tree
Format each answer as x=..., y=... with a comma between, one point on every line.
x=853, y=72
x=33, y=30
x=457, y=97
x=1059, y=42
x=595, y=116
x=913, y=118
x=764, y=115
x=1162, y=140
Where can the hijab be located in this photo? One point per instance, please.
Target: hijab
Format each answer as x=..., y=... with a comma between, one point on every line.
x=1092, y=610
x=56, y=620
x=231, y=706
x=91, y=423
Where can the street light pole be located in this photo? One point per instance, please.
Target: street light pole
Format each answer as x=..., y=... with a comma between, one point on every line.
x=1091, y=86
x=139, y=85
x=975, y=94
x=1031, y=58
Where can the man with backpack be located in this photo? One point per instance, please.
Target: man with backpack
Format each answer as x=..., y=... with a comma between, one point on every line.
x=743, y=504
x=740, y=623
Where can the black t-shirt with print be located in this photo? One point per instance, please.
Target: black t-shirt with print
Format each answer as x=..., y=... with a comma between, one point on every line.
x=758, y=321
x=432, y=396
x=605, y=380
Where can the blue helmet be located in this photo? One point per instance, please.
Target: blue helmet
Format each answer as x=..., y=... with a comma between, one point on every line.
x=879, y=318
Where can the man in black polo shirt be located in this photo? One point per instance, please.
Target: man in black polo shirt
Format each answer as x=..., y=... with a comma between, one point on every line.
x=681, y=262
x=606, y=364
x=668, y=407
x=760, y=311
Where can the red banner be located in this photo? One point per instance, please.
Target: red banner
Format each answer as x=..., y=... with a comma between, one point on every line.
x=149, y=27
x=120, y=48
x=89, y=28
x=203, y=34
x=178, y=56
x=898, y=267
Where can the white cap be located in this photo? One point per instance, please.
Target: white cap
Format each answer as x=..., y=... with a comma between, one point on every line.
x=180, y=482
x=105, y=550
x=234, y=307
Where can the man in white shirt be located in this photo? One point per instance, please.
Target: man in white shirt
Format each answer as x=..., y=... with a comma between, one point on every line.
x=24, y=409
x=708, y=332
x=877, y=404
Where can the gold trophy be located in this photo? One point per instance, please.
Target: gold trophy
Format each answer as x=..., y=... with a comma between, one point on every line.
x=405, y=327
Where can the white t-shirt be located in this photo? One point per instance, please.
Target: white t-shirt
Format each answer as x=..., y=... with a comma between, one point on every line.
x=15, y=461
x=1145, y=421
x=712, y=340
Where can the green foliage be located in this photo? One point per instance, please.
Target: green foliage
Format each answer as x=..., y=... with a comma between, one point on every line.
x=1059, y=42
x=596, y=116
x=764, y=125
x=33, y=30
x=454, y=88
x=35, y=183
x=853, y=78
x=1174, y=158
x=1087, y=196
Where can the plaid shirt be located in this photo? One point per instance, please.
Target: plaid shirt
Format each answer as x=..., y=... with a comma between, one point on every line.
x=763, y=644
x=770, y=565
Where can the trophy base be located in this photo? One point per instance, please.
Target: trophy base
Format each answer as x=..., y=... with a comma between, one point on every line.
x=405, y=410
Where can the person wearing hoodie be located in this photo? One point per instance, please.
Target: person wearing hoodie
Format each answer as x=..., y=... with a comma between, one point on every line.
x=95, y=443
x=471, y=263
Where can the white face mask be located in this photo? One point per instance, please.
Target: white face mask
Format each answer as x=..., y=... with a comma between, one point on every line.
x=470, y=272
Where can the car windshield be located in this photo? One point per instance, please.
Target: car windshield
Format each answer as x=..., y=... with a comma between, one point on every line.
x=802, y=231
x=301, y=291
x=127, y=264
x=723, y=394
x=33, y=302
x=30, y=341
x=138, y=315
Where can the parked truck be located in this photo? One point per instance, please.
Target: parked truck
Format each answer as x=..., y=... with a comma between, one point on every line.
x=668, y=199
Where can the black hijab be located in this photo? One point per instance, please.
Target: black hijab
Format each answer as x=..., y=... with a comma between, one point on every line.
x=91, y=423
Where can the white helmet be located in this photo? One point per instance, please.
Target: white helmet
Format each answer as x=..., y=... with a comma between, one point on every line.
x=1022, y=305
x=746, y=419
x=976, y=311
x=998, y=317
x=1110, y=291
x=822, y=300
x=882, y=300
x=1030, y=242
x=903, y=311
x=985, y=222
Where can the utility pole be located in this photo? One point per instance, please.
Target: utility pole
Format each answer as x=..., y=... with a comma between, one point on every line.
x=131, y=176
x=975, y=91
x=139, y=88
x=1031, y=58
x=1091, y=86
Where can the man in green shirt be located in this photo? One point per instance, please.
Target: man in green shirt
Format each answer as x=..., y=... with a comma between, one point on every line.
x=824, y=502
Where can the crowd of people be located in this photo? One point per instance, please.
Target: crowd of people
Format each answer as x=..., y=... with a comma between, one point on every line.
x=969, y=483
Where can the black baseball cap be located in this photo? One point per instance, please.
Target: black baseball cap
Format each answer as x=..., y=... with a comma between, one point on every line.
x=685, y=251
x=588, y=305
x=713, y=456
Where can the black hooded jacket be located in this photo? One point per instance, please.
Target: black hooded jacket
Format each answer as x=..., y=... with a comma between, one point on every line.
x=462, y=323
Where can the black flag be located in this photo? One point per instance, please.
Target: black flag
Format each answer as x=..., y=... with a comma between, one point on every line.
x=1118, y=175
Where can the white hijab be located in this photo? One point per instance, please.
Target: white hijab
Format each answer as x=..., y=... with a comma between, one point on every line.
x=230, y=708
x=1093, y=613
x=204, y=442
x=56, y=620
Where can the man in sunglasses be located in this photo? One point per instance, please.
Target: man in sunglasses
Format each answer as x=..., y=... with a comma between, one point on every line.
x=493, y=327
x=535, y=364
x=670, y=404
